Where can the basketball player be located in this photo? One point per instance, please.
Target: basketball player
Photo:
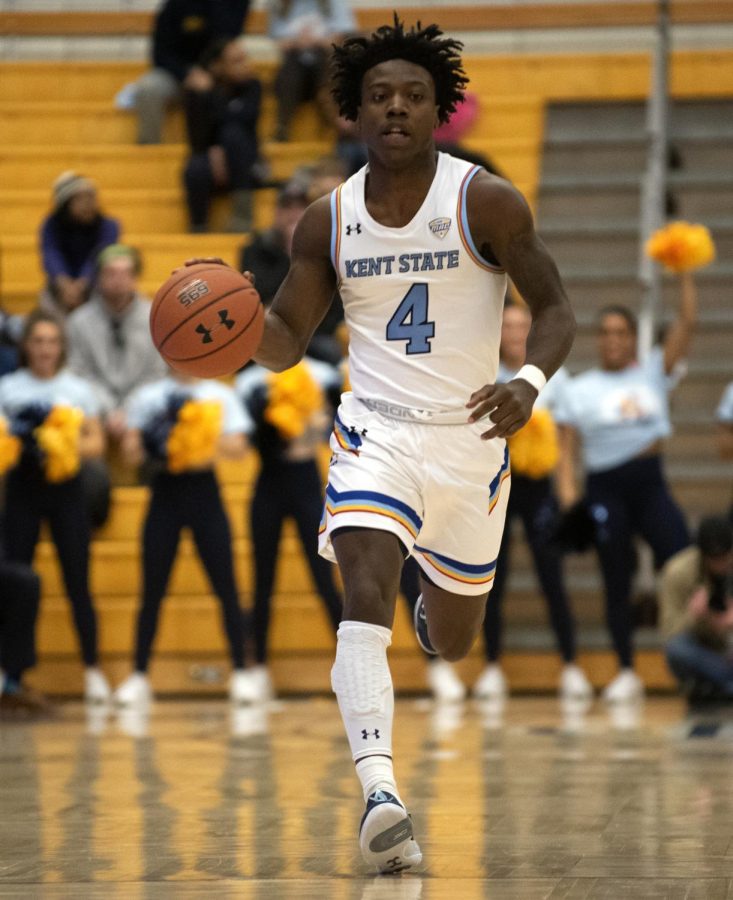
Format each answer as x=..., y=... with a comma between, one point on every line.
x=419, y=245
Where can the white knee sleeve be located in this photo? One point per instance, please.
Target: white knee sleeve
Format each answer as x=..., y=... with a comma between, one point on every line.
x=361, y=680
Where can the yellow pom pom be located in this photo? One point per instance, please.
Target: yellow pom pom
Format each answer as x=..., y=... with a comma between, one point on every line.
x=681, y=246
x=193, y=440
x=294, y=397
x=58, y=439
x=10, y=447
x=533, y=450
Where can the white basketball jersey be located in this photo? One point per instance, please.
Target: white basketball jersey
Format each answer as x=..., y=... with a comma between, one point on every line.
x=423, y=308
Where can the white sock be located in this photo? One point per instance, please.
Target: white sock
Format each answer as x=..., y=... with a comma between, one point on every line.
x=361, y=680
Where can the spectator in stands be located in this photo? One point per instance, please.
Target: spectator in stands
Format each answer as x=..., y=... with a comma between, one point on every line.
x=183, y=30
x=304, y=31
x=221, y=118
x=725, y=429
x=20, y=594
x=11, y=328
x=181, y=425
x=268, y=257
x=696, y=612
x=290, y=414
x=618, y=415
x=531, y=500
x=56, y=414
x=72, y=237
x=268, y=253
x=109, y=337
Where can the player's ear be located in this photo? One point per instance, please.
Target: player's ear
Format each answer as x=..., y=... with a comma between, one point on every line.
x=436, y=118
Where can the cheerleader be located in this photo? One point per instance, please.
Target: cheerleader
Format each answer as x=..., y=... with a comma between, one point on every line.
x=56, y=415
x=178, y=426
x=614, y=418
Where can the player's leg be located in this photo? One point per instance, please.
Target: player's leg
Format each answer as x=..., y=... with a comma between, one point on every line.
x=465, y=498
x=370, y=562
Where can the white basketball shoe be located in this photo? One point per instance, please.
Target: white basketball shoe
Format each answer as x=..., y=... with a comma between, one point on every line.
x=385, y=835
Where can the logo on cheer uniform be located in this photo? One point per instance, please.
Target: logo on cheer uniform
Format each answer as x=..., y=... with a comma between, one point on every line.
x=193, y=292
x=440, y=227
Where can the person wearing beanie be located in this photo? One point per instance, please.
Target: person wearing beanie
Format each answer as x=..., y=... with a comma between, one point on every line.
x=71, y=237
x=696, y=613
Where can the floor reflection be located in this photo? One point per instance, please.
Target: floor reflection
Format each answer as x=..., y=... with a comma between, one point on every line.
x=508, y=800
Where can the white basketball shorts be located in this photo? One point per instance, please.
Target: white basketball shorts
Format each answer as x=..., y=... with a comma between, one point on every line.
x=440, y=488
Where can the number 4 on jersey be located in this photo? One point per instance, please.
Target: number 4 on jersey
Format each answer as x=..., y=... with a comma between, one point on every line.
x=410, y=321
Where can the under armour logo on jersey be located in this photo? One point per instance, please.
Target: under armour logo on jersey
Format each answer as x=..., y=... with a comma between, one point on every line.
x=365, y=734
x=355, y=228
x=223, y=320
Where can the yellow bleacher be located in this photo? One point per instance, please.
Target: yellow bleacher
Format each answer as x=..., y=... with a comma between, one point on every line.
x=61, y=115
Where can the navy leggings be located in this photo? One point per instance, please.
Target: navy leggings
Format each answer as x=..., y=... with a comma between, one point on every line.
x=20, y=594
x=629, y=500
x=282, y=490
x=532, y=501
x=189, y=500
x=29, y=499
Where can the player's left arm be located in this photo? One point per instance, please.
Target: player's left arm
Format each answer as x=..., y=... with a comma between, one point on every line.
x=502, y=228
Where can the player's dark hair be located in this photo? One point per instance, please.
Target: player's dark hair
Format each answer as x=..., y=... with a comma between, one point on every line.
x=619, y=310
x=425, y=47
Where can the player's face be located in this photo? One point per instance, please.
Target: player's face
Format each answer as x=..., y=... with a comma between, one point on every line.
x=515, y=325
x=616, y=342
x=398, y=113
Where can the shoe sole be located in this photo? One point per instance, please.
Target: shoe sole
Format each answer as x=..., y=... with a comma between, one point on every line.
x=386, y=840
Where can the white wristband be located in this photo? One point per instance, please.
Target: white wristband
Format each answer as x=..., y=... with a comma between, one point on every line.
x=534, y=375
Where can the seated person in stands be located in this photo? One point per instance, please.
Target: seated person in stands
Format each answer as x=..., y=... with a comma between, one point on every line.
x=696, y=613
x=724, y=416
x=268, y=253
x=56, y=416
x=72, y=237
x=180, y=425
x=183, y=30
x=11, y=328
x=109, y=337
x=221, y=116
x=305, y=31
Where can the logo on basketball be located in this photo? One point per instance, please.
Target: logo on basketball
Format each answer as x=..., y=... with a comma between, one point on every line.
x=440, y=227
x=193, y=292
x=224, y=321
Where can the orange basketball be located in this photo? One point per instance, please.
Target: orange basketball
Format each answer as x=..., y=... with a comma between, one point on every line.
x=207, y=320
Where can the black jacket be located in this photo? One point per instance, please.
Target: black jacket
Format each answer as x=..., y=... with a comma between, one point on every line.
x=184, y=28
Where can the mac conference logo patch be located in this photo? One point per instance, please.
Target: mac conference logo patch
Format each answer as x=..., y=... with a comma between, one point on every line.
x=440, y=227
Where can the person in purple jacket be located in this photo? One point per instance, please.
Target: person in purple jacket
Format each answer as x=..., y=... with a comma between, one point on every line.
x=71, y=238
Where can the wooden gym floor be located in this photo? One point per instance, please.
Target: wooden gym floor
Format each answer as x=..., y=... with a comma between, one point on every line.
x=262, y=804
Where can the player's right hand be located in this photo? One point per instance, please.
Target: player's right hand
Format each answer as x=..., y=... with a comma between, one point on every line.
x=508, y=406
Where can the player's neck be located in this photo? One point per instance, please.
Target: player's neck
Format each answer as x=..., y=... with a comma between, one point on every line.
x=393, y=195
